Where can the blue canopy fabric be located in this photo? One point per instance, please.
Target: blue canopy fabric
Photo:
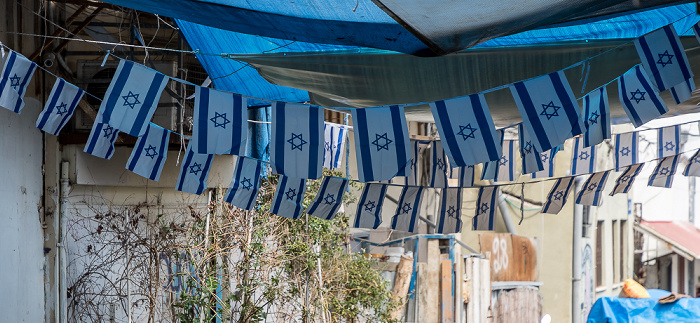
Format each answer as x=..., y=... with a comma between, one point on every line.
x=643, y=310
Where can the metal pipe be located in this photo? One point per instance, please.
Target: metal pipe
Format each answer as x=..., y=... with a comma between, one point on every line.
x=60, y=248
x=577, y=272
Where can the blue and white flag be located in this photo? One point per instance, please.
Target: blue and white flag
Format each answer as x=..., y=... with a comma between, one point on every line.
x=596, y=117
x=16, y=74
x=583, y=159
x=464, y=176
x=150, y=152
x=489, y=170
x=506, y=165
x=220, y=122
x=639, y=98
x=662, y=176
x=558, y=195
x=467, y=130
x=547, y=158
x=132, y=97
x=289, y=197
x=591, y=193
x=663, y=57
x=413, y=174
x=59, y=107
x=194, y=171
x=440, y=166
x=369, y=208
x=626, y=149
x=693, y=167
x=329, y=198
x=334, y=144
x=101, y=140
x=450, y=216
x=696, y=31
x=406, y=218
x=296, y=149
x=683, y=91
x=624, y=183
x=669, y=141
x=529, y=156
x=245, y=183
x=485, y=208
x=381, y=143
x=549, y=110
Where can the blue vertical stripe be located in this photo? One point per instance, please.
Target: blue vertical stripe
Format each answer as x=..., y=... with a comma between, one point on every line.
x=366, y=171
x=652, y=93
x=397, y=119
x=635, y=139
x=237, y=179
x=574, y=162
x=184, y=170
x=124, y=73
x=321, y=193
x=587, y=113
x=203, y=112
x=631, y=109
x=485, y=128
x=414, y=212
x=279, y=125
x=8, y=67
x=237, y=133
x=604, y=111
x=533, y=118
x=256, y=186
x=205, y=174
x=651, y=63
x=74, y=103
x=23, y=87
x=591, y=162
x=677, y=51
x=163, y=151
x=299, y=198
x=314, y=141
x=511, y=162
x=335, y=163
x=52, y=104
x=281, y=187
x=444, y=120
x=149, y=104
x=570, y=108
x=139, y=149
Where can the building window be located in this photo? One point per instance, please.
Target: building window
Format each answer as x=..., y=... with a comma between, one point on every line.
x=599, y=254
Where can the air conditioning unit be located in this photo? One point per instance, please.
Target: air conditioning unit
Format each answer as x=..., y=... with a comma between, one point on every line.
x=95, y=78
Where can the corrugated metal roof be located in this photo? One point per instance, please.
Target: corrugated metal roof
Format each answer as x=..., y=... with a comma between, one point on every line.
x=682, y=235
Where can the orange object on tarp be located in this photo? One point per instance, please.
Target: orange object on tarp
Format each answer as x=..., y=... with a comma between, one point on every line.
x=632, y=289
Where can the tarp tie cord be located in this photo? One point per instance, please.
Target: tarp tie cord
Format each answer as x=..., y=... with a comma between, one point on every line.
x=522, y=203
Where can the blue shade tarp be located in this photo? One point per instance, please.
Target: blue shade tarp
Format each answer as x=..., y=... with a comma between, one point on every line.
x=616, y=310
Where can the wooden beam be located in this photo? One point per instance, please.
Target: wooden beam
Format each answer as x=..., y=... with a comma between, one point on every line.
x=57, y=32
x=401, y=285
x=80, y=28
x=446, y=293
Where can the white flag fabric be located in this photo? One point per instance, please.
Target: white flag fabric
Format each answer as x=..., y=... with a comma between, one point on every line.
x=592, y=191
x=334, y=144
x=381, y=143
x=490, y=169
x=506, y=165
x=583, y=159
x=596, y=112
x=17, y=72
x=626, y=149
x=132, y=97
x=464, y=175
x=485, y=208
x=220, y=122
x=683, y=91
x=450, y=215
x=624, y=183
x=669, y=141
x=440, y=166
x=59, y=107
x=150, y=152
x=413, y=173
x=288, y=198
x=296, y=149
x=194, y=171
x=558, y=195
x=549, y=110
x=663, y=57
x=369, y=209
x=693, y=167
x=406, y=218
x=100, y=143
x=329, y=199
x=245, y=183
x=529, y=156
x=467, y=130
x=547, y=158
x=639, y=98
x=662, y=176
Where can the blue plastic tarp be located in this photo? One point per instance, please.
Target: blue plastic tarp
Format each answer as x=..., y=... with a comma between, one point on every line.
x=644, y=310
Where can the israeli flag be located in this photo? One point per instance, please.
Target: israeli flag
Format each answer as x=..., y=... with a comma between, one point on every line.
x=466, y=127
x=624, y=183
x=506, y=165
x=464, y=175
x=369, y=209
x=450, y=215
x=132, y=97
x=245, y=183
x=683, y=91
x=593, y=189
x=59, y=107
x=547, y=158
x=440, y=168
x=669, y=141
x=194, y=171
x=489, y=170
x=696, y=31
x=662, y=176
x=639, y=98
x=663, y=57
x=149, y=154
x=549, y=110
x=220, y=122
x=288, y=198
x=558, y=195
x=296, y=149
x=100, y=143
x=334, y=144
x=485, y=208
x=406, y=218
x=529, y=156
x=413, y=174
x=693, y=167
x=381, y=143
x=583, y=159
x=17, y=72
x=329, y=199
x=596, y=111
x=626, y=149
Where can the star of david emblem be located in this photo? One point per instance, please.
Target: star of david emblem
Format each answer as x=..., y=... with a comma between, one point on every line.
x=503, y=161
x=549, y=115
x=584, y=155
x=61, y=109
x=696, y=160
x=664, y=171
x=528, y=147
x=664, y=59
x=558, y=195
x=108, y=131
x=624, y=179
x=669, y=146
x=637, y=96
x=484, y=207
x=14, y=81
x=625, y=151
x=329, y=199
x=594, y=117
x=369, y=206
x=440, y=164
x=221, y=123
x=291, y=193
x=451, y=211
x=246, y=183
x=151, y=151
x=384, y=145
x=544, y=157
x=131, y=100
x=406, y=208
x=467, y=131
x=196, y=168
x=470, y=166
x=328, y=146
x=592, y=186
x=297, y=144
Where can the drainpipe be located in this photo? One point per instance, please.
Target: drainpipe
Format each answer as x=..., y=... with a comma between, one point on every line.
x=577, y=272
x=62, y=290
